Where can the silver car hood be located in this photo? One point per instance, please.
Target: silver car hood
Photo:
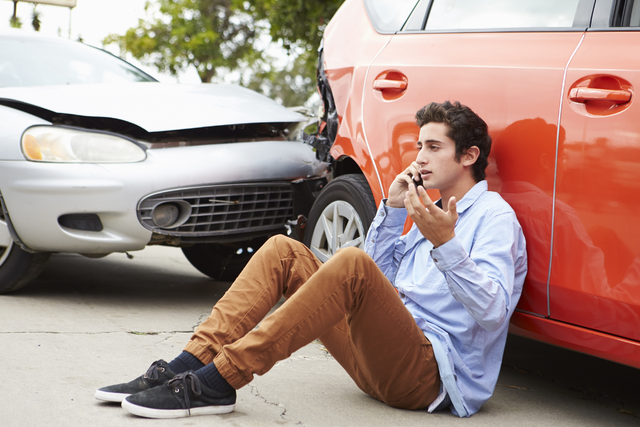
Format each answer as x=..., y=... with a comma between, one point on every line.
x=156, y=107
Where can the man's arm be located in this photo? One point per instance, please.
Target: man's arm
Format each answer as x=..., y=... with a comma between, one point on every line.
x=485, y=280
x=384, y=243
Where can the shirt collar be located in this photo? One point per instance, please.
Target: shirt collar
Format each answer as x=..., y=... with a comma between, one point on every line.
x=472, y=195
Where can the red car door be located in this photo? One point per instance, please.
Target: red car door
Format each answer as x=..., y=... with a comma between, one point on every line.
x=512, y=77
x=596, y=281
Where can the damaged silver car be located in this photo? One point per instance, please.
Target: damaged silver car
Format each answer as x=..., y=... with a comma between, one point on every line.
x=98, y=157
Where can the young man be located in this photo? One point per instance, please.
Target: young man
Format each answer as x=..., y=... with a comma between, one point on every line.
x=418, y=321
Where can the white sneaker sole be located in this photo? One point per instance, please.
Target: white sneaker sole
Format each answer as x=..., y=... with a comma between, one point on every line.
x=142, y=411
x=110, y=397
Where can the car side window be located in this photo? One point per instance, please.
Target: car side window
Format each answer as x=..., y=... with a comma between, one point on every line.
x=418, y=17
x=388, y=16
x=501, y=14
x=626, y=13
x=634, y=16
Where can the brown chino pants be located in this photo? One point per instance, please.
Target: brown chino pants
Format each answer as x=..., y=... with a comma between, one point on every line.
x=348, y=303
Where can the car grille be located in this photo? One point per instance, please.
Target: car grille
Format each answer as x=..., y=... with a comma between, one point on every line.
x=223, y=209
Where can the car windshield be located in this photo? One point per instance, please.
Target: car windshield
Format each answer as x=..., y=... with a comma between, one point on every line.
x=26, y=61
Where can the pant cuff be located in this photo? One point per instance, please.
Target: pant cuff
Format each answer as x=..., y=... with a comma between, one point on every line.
x=203, y=355
x=228, y=372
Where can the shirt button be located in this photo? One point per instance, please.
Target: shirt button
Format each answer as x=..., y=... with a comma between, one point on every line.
x=373, y=240
x=435, y=260
x=381, y=213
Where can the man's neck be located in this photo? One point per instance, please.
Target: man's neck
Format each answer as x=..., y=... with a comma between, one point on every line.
x=461, y=188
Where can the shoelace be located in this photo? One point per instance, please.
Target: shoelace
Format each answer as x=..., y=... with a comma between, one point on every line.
x=180, y=380
x=152, y=372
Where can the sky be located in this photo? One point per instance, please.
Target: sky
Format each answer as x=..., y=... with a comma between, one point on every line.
x=92, y=20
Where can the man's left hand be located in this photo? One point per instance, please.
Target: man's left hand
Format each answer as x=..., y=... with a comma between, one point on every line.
x=435, y=224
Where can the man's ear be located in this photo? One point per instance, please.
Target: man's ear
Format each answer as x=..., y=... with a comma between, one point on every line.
x=470, y=156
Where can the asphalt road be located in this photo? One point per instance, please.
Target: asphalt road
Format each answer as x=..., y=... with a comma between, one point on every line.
x=87, y=323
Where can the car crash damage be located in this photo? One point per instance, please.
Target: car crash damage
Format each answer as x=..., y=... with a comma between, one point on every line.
x=216, y=172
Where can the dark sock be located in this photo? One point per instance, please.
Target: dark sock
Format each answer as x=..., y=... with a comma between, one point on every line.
x=185, y=362
x=211, y=378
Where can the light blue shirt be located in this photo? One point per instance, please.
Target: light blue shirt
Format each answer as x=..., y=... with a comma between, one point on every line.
x=461, y=294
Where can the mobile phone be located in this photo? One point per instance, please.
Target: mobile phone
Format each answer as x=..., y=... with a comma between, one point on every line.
x=416, y=183
x=419, y=182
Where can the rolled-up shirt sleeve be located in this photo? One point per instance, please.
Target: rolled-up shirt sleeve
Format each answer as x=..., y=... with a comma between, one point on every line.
x=483, y=280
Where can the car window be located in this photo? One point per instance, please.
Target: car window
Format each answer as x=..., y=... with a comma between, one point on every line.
x=496, y=14
x=36, y=62
x=626, y=13
x=417, y=19
x=634, y=17
x=388, y=16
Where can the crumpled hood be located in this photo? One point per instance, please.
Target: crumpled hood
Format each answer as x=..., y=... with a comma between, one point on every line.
x=156, y=107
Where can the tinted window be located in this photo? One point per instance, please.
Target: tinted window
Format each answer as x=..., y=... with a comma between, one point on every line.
x=484, y=14
x=634, y=15
x=388, y=16
x=37, y=62
x=626, y=14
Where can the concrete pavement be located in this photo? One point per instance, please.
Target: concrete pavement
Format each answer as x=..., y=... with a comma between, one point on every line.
x=87, y=323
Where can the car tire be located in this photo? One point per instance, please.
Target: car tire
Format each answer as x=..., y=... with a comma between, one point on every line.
x=340, y=216
x=17, y=267
x=222, y=262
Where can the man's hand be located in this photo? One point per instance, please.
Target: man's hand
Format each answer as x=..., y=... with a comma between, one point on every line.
x=404, y=181
x=436, y=225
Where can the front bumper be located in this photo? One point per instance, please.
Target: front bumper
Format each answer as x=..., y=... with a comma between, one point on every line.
x=38, y=194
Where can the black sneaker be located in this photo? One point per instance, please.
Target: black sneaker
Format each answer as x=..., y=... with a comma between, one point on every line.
x=182, y=396
x=157, y=374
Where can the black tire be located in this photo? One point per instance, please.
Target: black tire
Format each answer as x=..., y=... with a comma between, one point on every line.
x=349, y=197
x=222, y=262
x=17, y=267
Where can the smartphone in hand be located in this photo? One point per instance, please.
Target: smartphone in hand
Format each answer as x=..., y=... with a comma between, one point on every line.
x=417, y=183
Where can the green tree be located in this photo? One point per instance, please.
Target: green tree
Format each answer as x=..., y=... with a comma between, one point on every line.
x=297, y=23
x=35, y=18
x=219, y=36
x=14, y=21
x=211, y=35
x=291, y=86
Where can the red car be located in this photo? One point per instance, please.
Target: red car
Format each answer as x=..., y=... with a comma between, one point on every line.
x=555, y=82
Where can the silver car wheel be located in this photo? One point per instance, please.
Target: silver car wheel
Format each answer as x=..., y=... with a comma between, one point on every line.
x=339, y=226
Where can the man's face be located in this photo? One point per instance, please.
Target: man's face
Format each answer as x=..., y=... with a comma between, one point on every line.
x=437, y=158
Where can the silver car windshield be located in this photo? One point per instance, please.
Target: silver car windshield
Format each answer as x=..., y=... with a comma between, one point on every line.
x=26, y=61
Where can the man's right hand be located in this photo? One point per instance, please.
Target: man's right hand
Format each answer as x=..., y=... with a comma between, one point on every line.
x=401, y=184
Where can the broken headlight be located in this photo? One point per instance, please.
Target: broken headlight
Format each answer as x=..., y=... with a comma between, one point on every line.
x=68, y=145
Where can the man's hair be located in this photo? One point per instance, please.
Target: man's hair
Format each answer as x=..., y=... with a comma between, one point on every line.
x=465, y=128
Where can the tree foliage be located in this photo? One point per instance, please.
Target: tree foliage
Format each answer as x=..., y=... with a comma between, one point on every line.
x=297, y=23
x=15, y=21
x=219, y=36
x=291, y=86
x=35, y=18
x=207, y=34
